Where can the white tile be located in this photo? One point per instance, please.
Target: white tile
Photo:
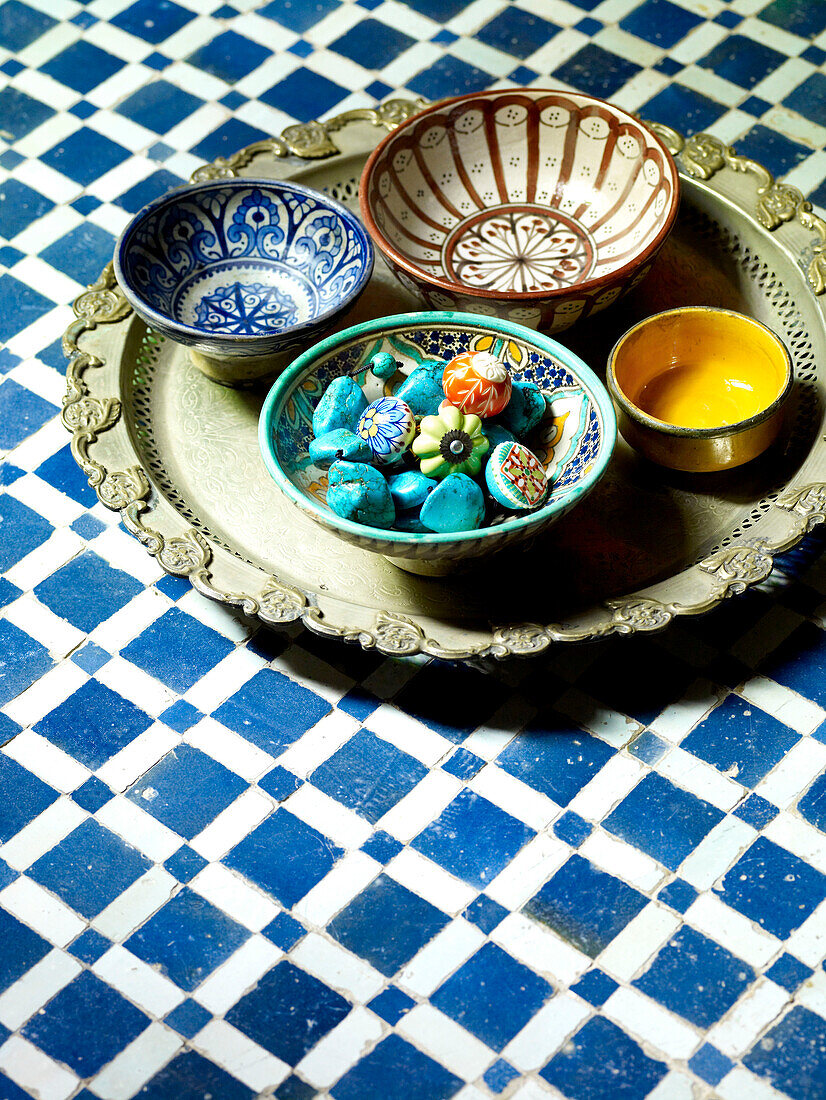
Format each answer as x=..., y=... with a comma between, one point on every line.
x=409, y=735
x=136, y=904
x=229, y=749
x=794, y=773
x=239, y=973
x=136, y=685
x=45, y=694
x=444, y=954
x=528, y=870
x=42, y=497
x=118, y=630
x=783, y=704
x=34, y=906
x=341, y=1049
x=37, y=986
x=319, y=743
x=424, y=804
x=47, y=761
x=798, y=836
x=141, y=983
x=812, y=994
x=737, y=1031
x=608, y=787
x=42, y=834
x=621, y=859
x=125, y=1075
x=229, y=675
x=138, y=829
x=311, y=672
x=238, y=1055
x=347, y=878
x=540, y=949
x=641, y=1016
x=133, y=761
x=511, y=718
x=639, y=941
x=232, y=825
x=615, y=728
x=674, y=1086
x=546, y=1032
x=453, y=1046
x=714, y=855
x=235, y=897
x=337, y=968
x=428, y=880
x=808, y=942
x=32, y=1070
x=342, y=825
x=536, y=810
x=122, y=551
x=732, y=930
x=742, y=1085
x=701, y=779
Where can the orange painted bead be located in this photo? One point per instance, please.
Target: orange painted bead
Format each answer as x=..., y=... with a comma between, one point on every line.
x=477, y=382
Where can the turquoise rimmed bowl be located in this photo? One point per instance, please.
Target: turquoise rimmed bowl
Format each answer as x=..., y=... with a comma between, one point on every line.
x=575, y=441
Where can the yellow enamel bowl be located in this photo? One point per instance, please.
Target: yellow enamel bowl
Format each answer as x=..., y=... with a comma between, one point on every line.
x=699, y=388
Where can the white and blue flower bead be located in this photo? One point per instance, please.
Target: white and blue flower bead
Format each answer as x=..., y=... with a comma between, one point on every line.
x=388, y=425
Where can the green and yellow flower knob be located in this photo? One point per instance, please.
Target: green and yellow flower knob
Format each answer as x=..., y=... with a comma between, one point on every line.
x=450, y=443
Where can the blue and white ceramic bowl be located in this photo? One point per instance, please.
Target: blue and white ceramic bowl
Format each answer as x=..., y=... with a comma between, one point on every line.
x=245, y=272
x=574, y=442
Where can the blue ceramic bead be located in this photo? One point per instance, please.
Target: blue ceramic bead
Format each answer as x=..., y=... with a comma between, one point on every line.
x=410, y=489
x=516, y=477
x=422, y=391
x=339, y=444
x=359, y=492
x=388, y=427
x=456, y=504
x=383, y=365
x=525, y=409
x=341, y=406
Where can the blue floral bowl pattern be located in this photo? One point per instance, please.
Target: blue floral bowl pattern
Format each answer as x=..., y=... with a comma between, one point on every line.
x=243, y=268
x=574, y=442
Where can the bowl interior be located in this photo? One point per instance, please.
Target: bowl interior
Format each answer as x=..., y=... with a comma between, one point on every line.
x=243, y=258
x=574, y=442
x=520, y=192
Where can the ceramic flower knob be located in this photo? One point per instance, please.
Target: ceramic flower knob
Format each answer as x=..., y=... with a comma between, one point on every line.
x=450, y=443
x=388, y=426
x=477, y=382
x=516, y=477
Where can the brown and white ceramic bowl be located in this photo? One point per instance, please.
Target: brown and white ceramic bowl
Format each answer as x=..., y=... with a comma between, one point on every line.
x=535, y=205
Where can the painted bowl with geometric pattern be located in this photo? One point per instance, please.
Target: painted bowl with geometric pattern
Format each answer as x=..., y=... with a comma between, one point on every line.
x=538, y=206
x=246, y=273
x=574, y=442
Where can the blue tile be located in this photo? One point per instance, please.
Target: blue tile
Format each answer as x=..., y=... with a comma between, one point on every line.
x=187, y=939
x=500, y=1075
x=157, y=61
x=23, y=306
x=9, y=473
x=279, y=783
x=92, y=794
x=719, y=978
x=288, y=1012
x=284, y=856
x=439, y=10
x=186, y=790
x=792, y=1056
x=742, y=60
x=185, y=863
x=773, y=887
x=7, y=874
x=234, y=99
x=378, y=89
x=359, y=703
x=20, y=113
x=91, y=658
x=756, y=811
x=809, y=98
x=370, y=39
x=741, y=740
x=173, y=587
x=293, y=1088
x=555, y=758
x=591, y=1064
x=573, y=829
x=362, y=925
x=585, y=906
x=8, y=592
x=648, y=747
x=23, y=529
x=181, y=716
x=84, y=19
x=20, y=205
x=60, y=469
x=815, y=55
x=463, y=764
x=381, y=846
x=596, y=71
x=93, y=724
x=21, y=411
x=452, y=840
x=177, y=649
x=191, y=1077
x=22, y=949
x=589, y=26
x=85, y=156
x=89, y=946
x=229, y=56
x=300, y=49
x=777, y=153
x=82, y=253
x=522, y=75
x=728, y=19
x=89, y=868
x=8, y=258
x=813, y=804
x=666, y=822
x=88, y=527
x=284, y=931
x=678, y=894
x=298, y=17
x=83, y=109
x=492, y=995
x=304, y=94
x=87, y=591
x=21, y=25
x=595, y=987
x=159, y=106
x=485, y=913
x=82, y=66
x=797, y=16
x=272, y=711
x=756, y=106
x=22, y=797
x=517, y=32
x=368, y=775
x=789, y=972
x=710, y=1064
x=660, y=22
x=85, y=1049
x=188, y=1018
x=391, y=1005
x=24, y=661
x=153, y=20
x=449, y=76
x=682, y=108
x=453, y=700
x=10, y=159
x=376, y=1077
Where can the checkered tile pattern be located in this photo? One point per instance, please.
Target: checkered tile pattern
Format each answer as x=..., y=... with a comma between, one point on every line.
x=238, y=863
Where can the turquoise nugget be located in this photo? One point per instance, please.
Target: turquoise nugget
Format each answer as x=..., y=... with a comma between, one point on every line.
x=410, y=489
x=359, y=492
x=525, y=409
x=340, y=407
x=339, y=444
x=457, y=504
x=422, y=391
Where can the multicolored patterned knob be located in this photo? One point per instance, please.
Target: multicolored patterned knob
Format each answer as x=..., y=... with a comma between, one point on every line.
x=477, y=382
x=388, y=425
x=516, y=477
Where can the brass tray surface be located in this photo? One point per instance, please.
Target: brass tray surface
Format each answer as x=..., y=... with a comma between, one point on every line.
x=177, y=455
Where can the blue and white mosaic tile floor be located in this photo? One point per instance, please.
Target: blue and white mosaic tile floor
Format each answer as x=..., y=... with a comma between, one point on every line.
x=235, y=863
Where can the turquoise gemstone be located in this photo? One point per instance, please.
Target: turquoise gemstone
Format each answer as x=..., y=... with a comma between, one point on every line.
x=422, y=391
x=383, y=365
x=525, y=409
x=341, y=405
x=456, y=504
x=340, y=444
x=410, y=489
x=359, y=492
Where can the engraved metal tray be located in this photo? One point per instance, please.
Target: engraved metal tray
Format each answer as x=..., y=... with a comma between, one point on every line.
x=178, y=456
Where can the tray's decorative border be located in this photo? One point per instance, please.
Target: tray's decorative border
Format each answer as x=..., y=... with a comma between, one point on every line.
x=186, y=553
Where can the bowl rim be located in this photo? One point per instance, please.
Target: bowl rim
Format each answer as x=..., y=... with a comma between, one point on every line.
x=663, y=427
x=589, y=285
x=283, y=386
x=162, y=321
